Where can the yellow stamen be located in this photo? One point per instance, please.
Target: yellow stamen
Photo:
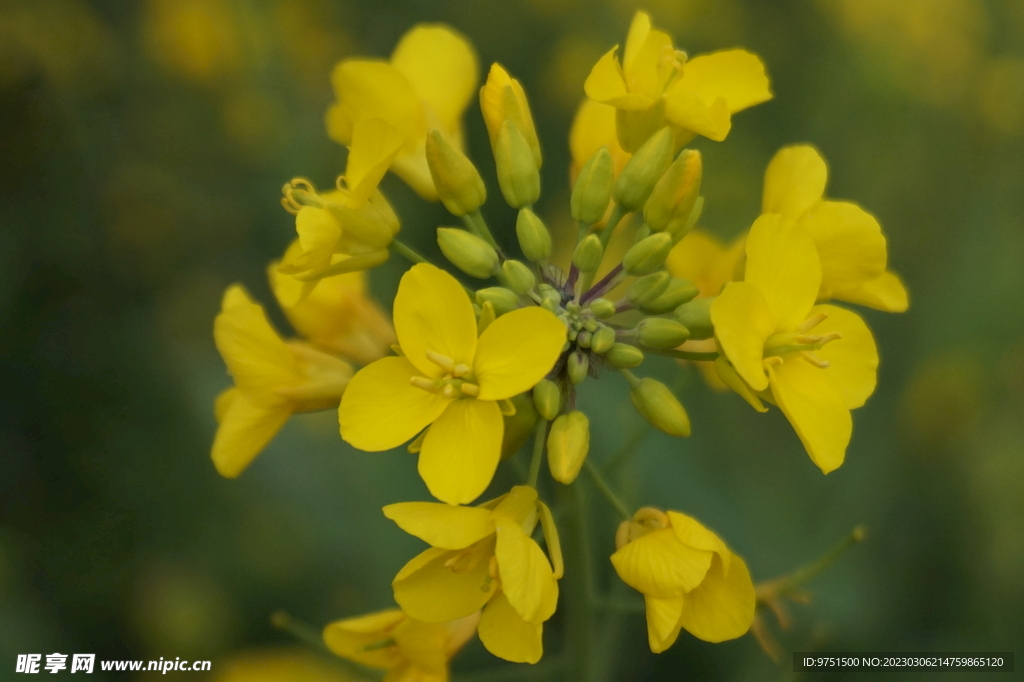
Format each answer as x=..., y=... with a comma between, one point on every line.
x=460, y=370
x=471, y=390
x=448, y=391
x=814, y=359
x=812, y=322
x=771, y=361
x=424, y=383
x=442, y=361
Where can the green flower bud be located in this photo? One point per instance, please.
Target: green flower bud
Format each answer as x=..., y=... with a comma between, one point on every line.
x=681, y=225
x=588, y=254
x=534, y=238
x=603, y=339
x=518, y=275
x=659, y=333
x=577, y=365
x=602, y=308
x=519, y=426
x=623, y=356
x=547, y=398
x=678, y=292
x=549, y=295
x=593, y=188
x=458, y=183
x=568, y=444
x=696, y=316
x=637, y=180
x=467, y=252
x=583, y=339
x=648, y=255
x=657, y=405
x=518, y=175
x=648, y=288
x=675, y=192
x=504, y=300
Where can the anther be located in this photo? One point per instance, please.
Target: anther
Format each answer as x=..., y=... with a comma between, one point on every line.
x=460, y=370
x=448, y=391
x=442, y=361
x=423, y=382
x=472, y=390
x=812, y=322
x=814, y=359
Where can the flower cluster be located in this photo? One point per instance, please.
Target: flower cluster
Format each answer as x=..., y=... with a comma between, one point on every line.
x=467, y=373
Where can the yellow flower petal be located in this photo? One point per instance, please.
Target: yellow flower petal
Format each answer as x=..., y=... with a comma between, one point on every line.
x=593, y=128
x=319, y=233
x=353, y=638
x=526, y=576
x=496, y=108
x=725, y=373
x=367, y=88
x=886, y=292
x=244, y=429
x=658, y=565
x=849, y=242
x=815, y=408
x=434, y=313
x=723, y=606
x=461, y=450
x=663, y=621
x=648, y=70
x=508, y=636
x=375, y=143
x=794, y=181
x=693, y=533
x=704, y=260
x=257, y=357
x=737, y=76
x=605, y=83
x=516, y=351
x=688, y=110
x=783, y=263
x=423, y=645
x=547, y=522
x=743, y=322
x=381, y=410
x=431, y=592
x=442, y=525
x=442, y=66
x=853, y=359
x=519, y=504
x=639, y=29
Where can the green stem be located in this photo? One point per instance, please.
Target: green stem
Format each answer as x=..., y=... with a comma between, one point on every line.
x=609, y=227
x=607, y=491
x=791, y=581
x=686, y=355
x=407, y=251
x=309, y=635
x=538, y=452
x=478, y=226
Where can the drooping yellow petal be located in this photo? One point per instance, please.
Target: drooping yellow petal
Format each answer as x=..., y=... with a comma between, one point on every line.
x=783, y=263
x=743, y=322
x=434, y=313
x=737, y=76
x=461, y=450
x=423, y=646
x=853, y=359
x=723, y=371
x=658, y=565
x=368, y=88
x=429, y=591
x=244, y=429
x=850, y=244
x=257, y=357
x=605, y=83
x=686, y=109
x=519, y=504
x=794, y=181
x=516, y=351
x=354, y=638
x=508, y=636
x=319, y=234
x=381, y=409
x=593, y=128
x=547, y=522
x=815, y=408
x=722, y=607
x=442, y=525
x=442, y=67
x=526, y=576
x=375, y=143
x=886, y=292
x=662, y=621
x=693, y=533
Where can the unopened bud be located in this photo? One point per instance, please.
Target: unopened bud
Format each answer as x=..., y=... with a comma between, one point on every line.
x=458, y=183
x=547, y=397
x=681, y=225
x=659, y=333
x=602, y=308
x=518, y=175
x=648, y=255
x=568, y=444
x=675, y=192
x=518, y=275
x=623, y=356
x=657, y=405
x=648, y=288
x=534, y=238
x=467, y=252
x=588, y=254
x=549, y=295
x=577, y=366
x=696, y=316
x=504, y=300
x=518, y=426
x=637, y=180
x=602, y=340
x=593, y=188
x=678, y=292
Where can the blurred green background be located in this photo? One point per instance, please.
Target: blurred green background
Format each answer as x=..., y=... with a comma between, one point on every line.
x=142, y=150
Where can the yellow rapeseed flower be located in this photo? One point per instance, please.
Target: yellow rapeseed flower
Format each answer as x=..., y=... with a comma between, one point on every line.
x=849, y=239
x=689, y=578
x=408, y=649
x=427, y=84
x=816, y=362
x=273, y=380
x=483, y=557
x=450, y=380
x=654, y=84
x=502, y=98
